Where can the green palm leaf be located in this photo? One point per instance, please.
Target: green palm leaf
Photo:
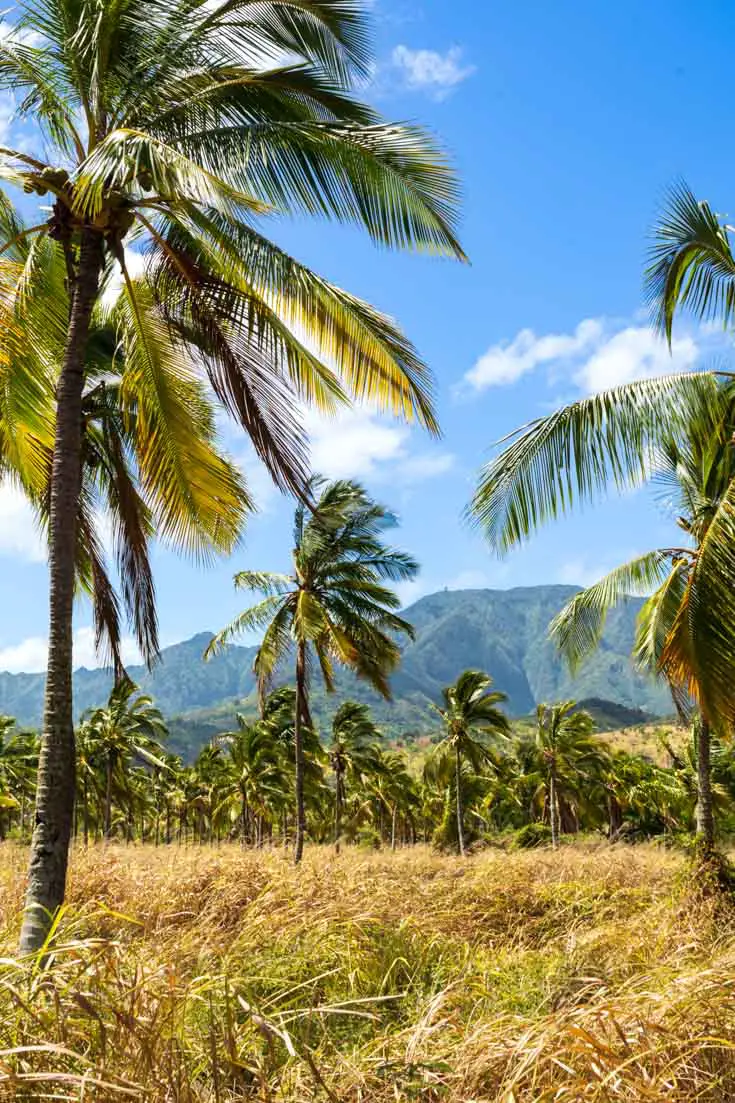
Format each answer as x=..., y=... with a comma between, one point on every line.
x=692, y=264
x=577, y=629
x=574, y=455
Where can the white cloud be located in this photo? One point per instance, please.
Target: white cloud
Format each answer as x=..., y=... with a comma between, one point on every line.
x=25, y=35
x=135, y=263
x=257, y=477
x=471, y=578
x=7, y=117
x=29, y=656
x=582, y=571
x=357, y=444
x=429, y=71
x=507, y=361
x=637, y=352
x=598, y=354
x=19, y=534
x=354, y=444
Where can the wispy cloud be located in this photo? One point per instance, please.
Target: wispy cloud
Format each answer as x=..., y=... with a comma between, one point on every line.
x=599, y=353
x=429, y=71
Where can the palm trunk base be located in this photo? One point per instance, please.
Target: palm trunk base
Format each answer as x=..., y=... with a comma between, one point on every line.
x=49, y=856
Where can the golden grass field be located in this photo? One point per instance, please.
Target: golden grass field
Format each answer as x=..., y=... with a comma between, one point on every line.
x=216, y=975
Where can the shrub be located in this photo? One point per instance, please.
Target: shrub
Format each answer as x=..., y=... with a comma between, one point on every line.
x=533, y=834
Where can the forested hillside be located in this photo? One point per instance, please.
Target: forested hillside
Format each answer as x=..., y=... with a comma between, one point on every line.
x=501, y=631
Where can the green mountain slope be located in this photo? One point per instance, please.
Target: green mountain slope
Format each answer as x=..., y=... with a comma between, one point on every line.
x=502, y=631
x=505, y=632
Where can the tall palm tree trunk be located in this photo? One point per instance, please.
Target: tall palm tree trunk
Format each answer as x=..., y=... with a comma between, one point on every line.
x=553, y=809
x=338, y=812
x=56, y=767
x=243, y=818
x=705, y=813
x=460, y=809
x=614, y=816
x=85, y=797
x=299, y=750
x=107, y=829
x=393, y=826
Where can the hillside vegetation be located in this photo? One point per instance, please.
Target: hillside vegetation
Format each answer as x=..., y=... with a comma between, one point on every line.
x=501, y=631
x=202, y=974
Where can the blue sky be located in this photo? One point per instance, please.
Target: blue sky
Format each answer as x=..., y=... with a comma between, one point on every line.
x=567, y=122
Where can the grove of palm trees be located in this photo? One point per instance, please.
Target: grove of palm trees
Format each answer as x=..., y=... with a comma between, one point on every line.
x=503, y=906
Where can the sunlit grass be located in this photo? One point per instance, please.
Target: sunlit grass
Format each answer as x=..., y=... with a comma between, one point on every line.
x=222, y=974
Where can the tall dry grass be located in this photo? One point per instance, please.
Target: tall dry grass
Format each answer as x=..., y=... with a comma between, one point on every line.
x=222, y=975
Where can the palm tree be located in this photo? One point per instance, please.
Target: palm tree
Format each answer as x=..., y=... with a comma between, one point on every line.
x=88, y=761
x=177, y=125
x=439, y=793
x=132, y=491
x=335, y=607
x=129, y=726
x=255, y=776
x=278, y=715
x=696, y=472
x=166, y=783
x=676, y=433
x=470, y=714
x=616, y=438
x=571, y=757
x=18, y=763
x=354, y=739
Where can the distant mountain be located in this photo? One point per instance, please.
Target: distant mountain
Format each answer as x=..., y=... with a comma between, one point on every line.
x=506, y=633
x=181, y=681
x=501, y=631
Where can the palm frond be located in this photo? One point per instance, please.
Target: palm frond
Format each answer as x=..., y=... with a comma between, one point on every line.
x=251, y=619
x=576, y=454
x=325, y=341
x=578, y=627
x=710, y=609
x=692, y=264
x=198, y=498
x=266, y=582
x=658, y=615
x=393, y=180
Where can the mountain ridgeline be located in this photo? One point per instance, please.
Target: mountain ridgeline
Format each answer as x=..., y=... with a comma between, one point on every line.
x=502, y=631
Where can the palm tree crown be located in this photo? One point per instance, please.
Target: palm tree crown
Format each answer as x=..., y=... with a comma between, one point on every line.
x=129, y=726
x=176, y=126
x=336, y=606
x=570, y=757
x=354, y=740
x=336, y=601
x=470, y=714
